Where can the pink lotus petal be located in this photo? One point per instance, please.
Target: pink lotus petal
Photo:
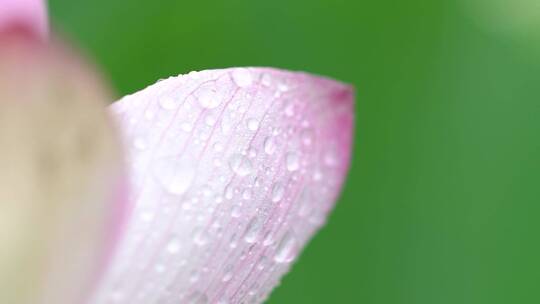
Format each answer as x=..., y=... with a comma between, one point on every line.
x=233, y=171
x=28, y=14
x=61, y=180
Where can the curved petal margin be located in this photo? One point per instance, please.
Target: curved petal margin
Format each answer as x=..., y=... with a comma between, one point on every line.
x=233, y=171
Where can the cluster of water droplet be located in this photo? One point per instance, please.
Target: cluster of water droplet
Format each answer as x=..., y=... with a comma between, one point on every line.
x=234, y=176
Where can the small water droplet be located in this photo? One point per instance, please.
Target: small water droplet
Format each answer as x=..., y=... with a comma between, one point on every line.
x=229, y=192
x=269, y=145
x=266, y=80
x=200, y=237
x=173, y=246
x=176, y=176
x=293, y=161
x=208, y=97
x=286, y=249
x=277, y=192
x=240, y=164
x=252, y=124
x=167, y=103
x=253, y=228
x=242, y=77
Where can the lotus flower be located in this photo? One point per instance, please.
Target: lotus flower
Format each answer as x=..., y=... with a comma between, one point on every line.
x=202, y=188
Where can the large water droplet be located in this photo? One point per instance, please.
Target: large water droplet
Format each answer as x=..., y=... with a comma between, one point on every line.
x=269, y=145
x=240, y=164
x=277, y=192
x=176, y=176
x=242, y=77
x=293, y=161
x=286, y=249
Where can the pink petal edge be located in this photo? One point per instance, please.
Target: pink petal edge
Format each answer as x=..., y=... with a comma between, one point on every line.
x=233, y=171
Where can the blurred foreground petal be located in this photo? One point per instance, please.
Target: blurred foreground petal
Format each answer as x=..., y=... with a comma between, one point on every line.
x=31, y=15
x=233, y=172
x=61, y=185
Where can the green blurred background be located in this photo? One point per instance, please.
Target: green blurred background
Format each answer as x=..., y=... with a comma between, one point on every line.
x=442, y=203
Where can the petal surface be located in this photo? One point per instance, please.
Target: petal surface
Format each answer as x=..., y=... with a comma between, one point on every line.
x=61, y=183
x=233, y=171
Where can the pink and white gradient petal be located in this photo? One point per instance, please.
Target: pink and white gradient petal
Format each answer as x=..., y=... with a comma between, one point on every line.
x=233, y=171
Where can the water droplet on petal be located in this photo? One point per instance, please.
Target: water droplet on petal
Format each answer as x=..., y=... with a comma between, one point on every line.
x=176, y=176
x=269, y=145
x=293, y=161
x=240, y=164
x=200, y=237
x=252, y=230
x=286, y=249
x=242, y=77
x=173, y=246
x=253, y=124
x=208, y=97
x=277, y=192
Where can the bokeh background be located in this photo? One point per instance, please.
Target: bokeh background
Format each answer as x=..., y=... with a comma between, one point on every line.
x=442, y=203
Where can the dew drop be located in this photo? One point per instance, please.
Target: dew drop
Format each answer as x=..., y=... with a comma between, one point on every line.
x=277, y=192
x=200, y=237
x=176, y=176
x=286, y=249
x=269, y=145
x=293, y=161
x=173, y=246
x=252, y=230
x=242, y=77
x=229, y=192
x=240, y=164
x=208, y=97
x=252, y=124
x=266, y=80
